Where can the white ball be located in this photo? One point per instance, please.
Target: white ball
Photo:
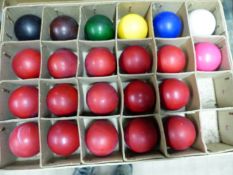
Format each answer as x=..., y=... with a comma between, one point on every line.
x=202, y=22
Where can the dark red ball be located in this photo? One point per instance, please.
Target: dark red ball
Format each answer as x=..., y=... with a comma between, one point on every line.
x=101, y=138
x=174, y=94
x=180, y=132
x=139, y=97
x=23, y=102
x=102, y=99
x=62, y=100
x=24, y=140
x=135, y=60
x=26, y=63
x=62, y=64
x=100, y=62
x=63, y=138
x=141, y=135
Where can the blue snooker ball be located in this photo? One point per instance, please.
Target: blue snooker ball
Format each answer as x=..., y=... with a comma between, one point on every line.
x=167, y=25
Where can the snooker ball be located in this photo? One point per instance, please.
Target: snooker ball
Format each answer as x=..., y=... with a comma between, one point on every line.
x=24, y=140
x=174, y=94
x=23, y=102
x=180, y=132
x=141, y=135
x=135, y=60
x=26, y=63
x=132, y=26
x=63, y=137
x=62, y=64
x=99, y=27
x=208, y=56
x=63, y=28
x=171, y=59
x=101, y=138
x=27, y=27
x=202, y=22
x=100, y=62
x=139, y=97
x=62, y=100
x=167, y=25
x=102, y=99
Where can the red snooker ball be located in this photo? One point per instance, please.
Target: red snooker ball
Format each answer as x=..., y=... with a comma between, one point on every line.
x=135, y=60
x=171, y=59
x=101, y=138
x=102, y=99
x=100, y=62
x=23, y=102
x=139, y=97
x=141, y=135
x=174, y=94
x=62, y=100
x=26, y=63
x=62, y=64
x=24, y=140
x=63, y=138
x=180, y=132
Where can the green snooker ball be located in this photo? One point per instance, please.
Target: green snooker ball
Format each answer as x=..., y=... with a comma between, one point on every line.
x=99, y=27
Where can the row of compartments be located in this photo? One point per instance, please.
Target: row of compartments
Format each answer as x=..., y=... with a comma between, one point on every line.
x=114, y=11
x=207, y=91
x=213, y=135
x=82, y=48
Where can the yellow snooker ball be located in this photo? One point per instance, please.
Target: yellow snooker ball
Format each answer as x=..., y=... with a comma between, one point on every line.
x=132, y=26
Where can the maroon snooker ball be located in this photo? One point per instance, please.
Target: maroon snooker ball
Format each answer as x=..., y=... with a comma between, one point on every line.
x=63, y=138
x=62, y=64
x=23, y=102
x=135, y=60
x=62, y=100
x=101, y=138
x=139, y=97
x=141, y=135
x=102, y=99
x=63, y=28
x=24, y=140
x=26, y=63
x=171, y=59
x=180, y=132
x=100, y=62
x=174, y=94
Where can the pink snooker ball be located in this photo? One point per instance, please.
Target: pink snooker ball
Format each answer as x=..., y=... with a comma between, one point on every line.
x=208, y=56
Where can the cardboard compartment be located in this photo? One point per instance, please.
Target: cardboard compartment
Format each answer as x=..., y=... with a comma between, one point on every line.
x=215, y=90
x=190, y=80
x=156, y=153
x=126, y=79
x=7, y=159
x=45, y=86
x=48, y=48
x=198, y=147
x=149, y=45
x=215, y=7
x=86, y=46
x=51, y=12
x=217, y=128
x=6, y=88
x=8, y=51
x=186, y=45
x=10, y=16
x=223, y=45
x=86, y=83
x=107, y=9
x=140, y=8
x=178, y=7
x=50, y=159
x=89, y=158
